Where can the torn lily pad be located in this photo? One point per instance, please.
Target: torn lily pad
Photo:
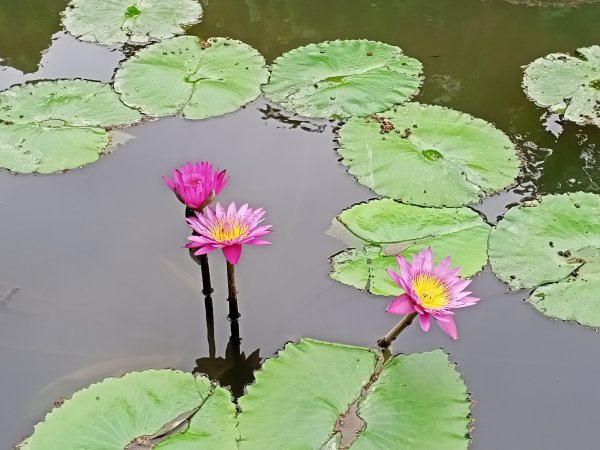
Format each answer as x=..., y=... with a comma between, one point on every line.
x=428, y=155
x=194, y=78
x=339, y=79
x=143, y=408
x=113, y=22
x=553, y=245
x=567, y=84
x=382, y=228
x=51, y=126
x=421, y=396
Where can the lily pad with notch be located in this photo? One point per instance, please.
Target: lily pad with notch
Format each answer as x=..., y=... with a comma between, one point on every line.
x=195, y=78
x=567, y=84
x=56, y=125
x=552, y=245
x=340, y=79
x=432, y=156
x=382, y=228
x=113, y=22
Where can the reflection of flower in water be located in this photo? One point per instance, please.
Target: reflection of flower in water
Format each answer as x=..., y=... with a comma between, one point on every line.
x=235, y=371
x=430, y=290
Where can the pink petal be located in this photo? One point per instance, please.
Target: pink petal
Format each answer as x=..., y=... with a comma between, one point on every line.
x=401, y=305
x=232, y=253
x=467, y=301
x=424, y=322
x=397, y=279
x=257, y=242
x=448, y=326
x=405, y=269
x=169, y=183
x=428, y=260
x=204, y=250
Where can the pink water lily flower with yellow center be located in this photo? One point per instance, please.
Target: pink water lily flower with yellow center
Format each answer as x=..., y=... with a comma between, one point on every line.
x=196, y=185
x=430, y=291
x=228, y=230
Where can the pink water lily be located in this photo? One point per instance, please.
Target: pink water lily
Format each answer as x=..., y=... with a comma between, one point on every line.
x=228, y=230
x=430, y=291
x=196, y=185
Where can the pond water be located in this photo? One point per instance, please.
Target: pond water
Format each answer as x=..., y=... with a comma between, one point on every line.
x=94, y=282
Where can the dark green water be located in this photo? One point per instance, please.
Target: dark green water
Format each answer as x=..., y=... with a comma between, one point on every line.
x=104, y=286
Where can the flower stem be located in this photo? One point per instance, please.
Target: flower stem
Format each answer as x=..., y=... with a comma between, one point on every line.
x=234, y=313
x=386, y=341
x=206, y=285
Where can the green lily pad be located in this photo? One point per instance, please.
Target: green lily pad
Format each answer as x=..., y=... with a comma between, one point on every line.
x=343, y=78
x=204, y=78
x=415, y=402
x=553, y=245
x=111, y=414
x=382, y=228
x=428, y=155
x=567, y=84
x=51, y=126
x=113, y=22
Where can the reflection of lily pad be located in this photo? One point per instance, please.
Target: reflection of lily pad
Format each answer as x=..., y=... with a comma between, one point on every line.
x=381, y=228
x=433, y=156
x=551, y=3
x=299, y=396
x=111, y=414
x=129, y=21
x=567, y=84
x=196, y=78
x=51, y=126
x=343, y=78
x=553, y=245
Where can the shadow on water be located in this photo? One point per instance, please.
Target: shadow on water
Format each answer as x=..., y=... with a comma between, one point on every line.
x=105, y=287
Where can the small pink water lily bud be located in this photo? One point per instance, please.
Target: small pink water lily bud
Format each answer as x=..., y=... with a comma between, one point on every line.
x=228, y=230
x=196, y=185
x=430, y=291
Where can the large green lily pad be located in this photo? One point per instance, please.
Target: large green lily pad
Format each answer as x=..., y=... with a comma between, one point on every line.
x=428, y=155
x=341, y=79
x=415, y=402
x=51, y=126
x=113, y=22
x=382, y=228
x=552, y=245
x=198, y=79
x=567, y=84
x=111, y=414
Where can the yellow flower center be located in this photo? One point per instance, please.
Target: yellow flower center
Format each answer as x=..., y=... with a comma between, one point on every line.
x=431, y=291
x=228, y=229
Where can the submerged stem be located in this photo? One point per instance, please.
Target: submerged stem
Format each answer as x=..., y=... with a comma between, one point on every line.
x=234, y=313
x=387, y=340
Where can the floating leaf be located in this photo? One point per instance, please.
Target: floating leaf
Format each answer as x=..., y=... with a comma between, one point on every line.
x=553, y=244
x=111, y=414
x=433, y=156
x=343, y=78
x=415, y=402
x=113, y=22
x=386, y=227
x=51, y=126
x=567, y=84
x=198, y=79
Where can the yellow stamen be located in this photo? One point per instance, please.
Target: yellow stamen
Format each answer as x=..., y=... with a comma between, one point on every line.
x=431, y=291
x=228, y=229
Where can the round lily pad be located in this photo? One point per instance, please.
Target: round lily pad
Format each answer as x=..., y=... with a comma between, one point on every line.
x=380, y=229
x=144, y=407
x=195, y=78
x=553, y=245
x=341, y=79
x=113, y=22
x=51, y=126
x=428, y=155
x=567, y=84
x=422, y=395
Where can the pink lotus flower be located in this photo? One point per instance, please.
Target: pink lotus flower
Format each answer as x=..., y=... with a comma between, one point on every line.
x=227, y=230
x=196, y=185
x=430, y=291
